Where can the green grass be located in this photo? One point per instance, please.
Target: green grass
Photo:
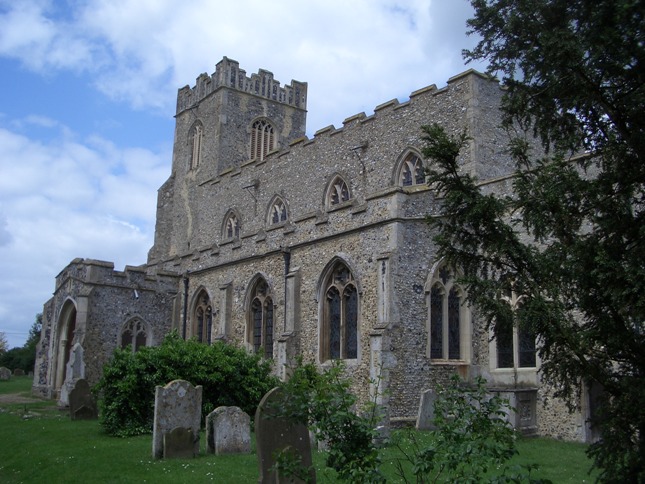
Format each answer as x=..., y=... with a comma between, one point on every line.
x=48, y=447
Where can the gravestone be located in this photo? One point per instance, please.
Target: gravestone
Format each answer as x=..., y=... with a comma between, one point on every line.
x=425, y=417
x=5, y=373
x=228, y=431
x=178, y=404
x=18, y=372
x=81, y=402
x=275, y=434
x=179, y=443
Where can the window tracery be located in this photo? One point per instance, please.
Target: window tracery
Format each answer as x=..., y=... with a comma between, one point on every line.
x=231, y=226
x=339, y=338
x=448, y=330
x=134, y=334
x=412, y=171
x=278, y=212
x=261, y=319
x=203, y=318
x=515, y=344
x=338, y=192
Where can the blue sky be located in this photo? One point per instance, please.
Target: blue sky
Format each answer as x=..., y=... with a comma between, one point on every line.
x=87, y=98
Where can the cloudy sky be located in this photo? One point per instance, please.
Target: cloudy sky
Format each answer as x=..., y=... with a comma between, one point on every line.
x=87, y=98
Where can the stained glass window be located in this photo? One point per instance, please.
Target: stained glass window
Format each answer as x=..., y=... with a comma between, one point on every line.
x=340, y=324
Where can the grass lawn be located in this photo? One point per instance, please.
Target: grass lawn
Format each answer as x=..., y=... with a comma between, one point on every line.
x=39, y=443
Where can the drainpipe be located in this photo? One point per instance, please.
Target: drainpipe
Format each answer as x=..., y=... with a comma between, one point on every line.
x=183, y=331
x=286, y=253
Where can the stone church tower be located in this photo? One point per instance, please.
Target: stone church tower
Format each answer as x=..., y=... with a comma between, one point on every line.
x=318, y=247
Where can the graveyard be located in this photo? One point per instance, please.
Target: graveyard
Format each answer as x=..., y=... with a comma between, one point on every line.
x=40, y=442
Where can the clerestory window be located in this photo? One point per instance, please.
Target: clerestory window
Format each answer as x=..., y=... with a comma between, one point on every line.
x=278, y=212
x=262, y=139
x=411, y=171
x=338, y=192
x=231, y=226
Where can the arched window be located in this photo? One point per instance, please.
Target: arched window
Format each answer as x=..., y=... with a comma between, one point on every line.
x=515, y=345
x=448, y=320
x=261, y=319
x=339, y=328
x=134, y=334
x=262, y=139
x=203, y=318
x=195, y=141
x=231, y=226
x=278, y=212
x=411, y=171
x=338, y=192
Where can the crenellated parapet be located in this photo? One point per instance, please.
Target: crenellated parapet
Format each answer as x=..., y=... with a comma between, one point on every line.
x=228, y=74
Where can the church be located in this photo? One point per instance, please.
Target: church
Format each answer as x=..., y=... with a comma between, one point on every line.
x=290, y=246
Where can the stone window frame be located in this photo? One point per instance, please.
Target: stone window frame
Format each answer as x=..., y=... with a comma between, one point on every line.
x=442, y=284
x=277, y=216
x=406, y=163
x=136, y=326
x=262, y=139
x=202, y=316
x=260, y=297
x=329, y=282
x=515, y=301
x=195, y=142
x=338, y=192
x=231, y=225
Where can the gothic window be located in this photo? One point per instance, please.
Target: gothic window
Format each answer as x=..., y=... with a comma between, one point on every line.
x=411, y=171
x=231, y=226
x=262, y=139
x=203, y=318
x=134, y=335
x=195, y=142
x=261, y=319
x=278, y=212
x=515, y=345
x=448, y=330
x=339, y=330
x=338, y=192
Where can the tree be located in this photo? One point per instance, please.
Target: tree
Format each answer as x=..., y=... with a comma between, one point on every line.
x=4, y=344
x=571, y=236
x=24, y=357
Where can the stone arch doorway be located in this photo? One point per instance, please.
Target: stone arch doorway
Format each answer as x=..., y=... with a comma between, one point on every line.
x=64, y=341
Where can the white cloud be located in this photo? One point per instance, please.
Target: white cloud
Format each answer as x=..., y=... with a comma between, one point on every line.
x=90, y=197
x=65, y=199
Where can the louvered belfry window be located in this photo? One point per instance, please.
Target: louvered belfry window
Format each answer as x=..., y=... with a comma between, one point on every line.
x=262, y=139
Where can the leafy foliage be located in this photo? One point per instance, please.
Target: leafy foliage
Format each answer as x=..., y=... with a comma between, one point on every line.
x=324, y=402
x=473, y=441
x=23, y=357
x=229, y=376
x=571, y=237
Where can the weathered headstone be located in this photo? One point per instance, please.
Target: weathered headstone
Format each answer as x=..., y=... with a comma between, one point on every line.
x=5, y=373
x=178, y=404
x=228, y=431
x=18, y=372
x=81, y=402
x=179, y=443
x=275, y=434
x=425, y=417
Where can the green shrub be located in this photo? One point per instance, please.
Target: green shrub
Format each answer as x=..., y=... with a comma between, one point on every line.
x=324, y=403
x=229, y=376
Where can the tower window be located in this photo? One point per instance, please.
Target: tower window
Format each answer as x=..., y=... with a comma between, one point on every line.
x=262, y=139
x=195, y=140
